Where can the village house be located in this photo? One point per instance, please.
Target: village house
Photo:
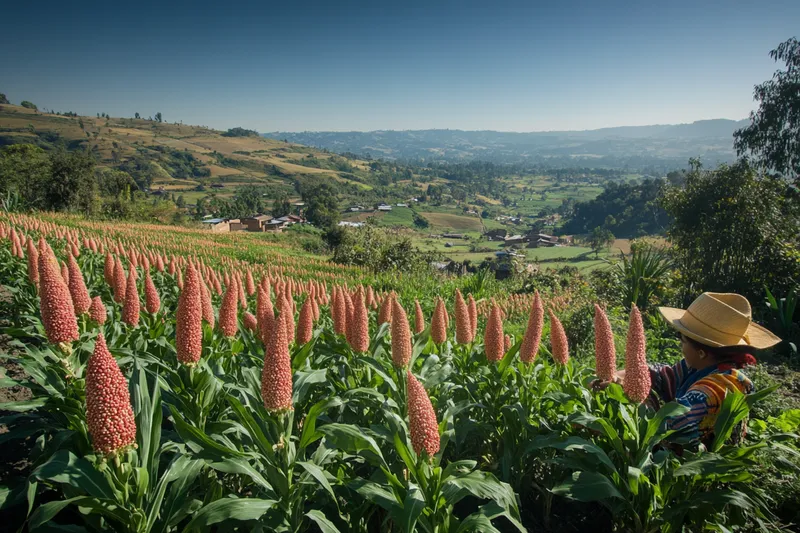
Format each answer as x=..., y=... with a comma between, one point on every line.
x=348, y=224
x=453, y=235
x=256, y=222
x=496, y=234
x=543, y=241
x=384, y=207
x=218, y=225
x=515, y=239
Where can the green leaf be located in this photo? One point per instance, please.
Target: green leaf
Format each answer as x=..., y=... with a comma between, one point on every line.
x=733, y=410
x=240, y=465
x=505, y=363
x=147, y=410
x=64, y=467
x=46, y=512
x=21, y=407
x=375, y=493
x=317, y=473
x=352, y=439
x=481, y=520
x=304, y=380
x=481, y=485
x=310, y=433
x=576, y=443
x=325, y=525
x=198, y=439
x=179, y=476
x=477, y=522
x=706, y=465
x=587, y=487
x=465, y=465
x=255, y=431
x=413, y=505
x=229, y=509
x=408, y=456
x=669, y=410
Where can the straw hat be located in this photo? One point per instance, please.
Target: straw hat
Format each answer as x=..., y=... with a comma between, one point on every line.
x=720, y=320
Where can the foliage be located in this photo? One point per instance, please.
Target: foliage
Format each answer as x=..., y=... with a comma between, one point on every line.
x=72, y=184
x=322, y=204
x=642, y=277
x=29, y=105
x=627, y=209
x=3, y=99
x=376, y=249
x=240, y=132
x=281, y=206
x=783, y=311
x=773, y=136
x=735, y=231
x=420, y=221
x=600, y=239
x=24, y=169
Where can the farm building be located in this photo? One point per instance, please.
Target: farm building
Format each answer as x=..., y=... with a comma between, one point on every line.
x=543, y=241
x=515, y=239
x=384, y=207
x=496, y=234
x=256, y=222
x=219, y=225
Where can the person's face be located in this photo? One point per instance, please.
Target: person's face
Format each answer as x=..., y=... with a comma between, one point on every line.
x=695, y=358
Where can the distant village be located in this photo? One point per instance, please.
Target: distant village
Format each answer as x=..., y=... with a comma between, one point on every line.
x=512, y=241
x=259, y=222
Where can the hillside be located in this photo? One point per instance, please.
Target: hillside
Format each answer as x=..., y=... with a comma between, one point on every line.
x=633, y=147
x=177, y=158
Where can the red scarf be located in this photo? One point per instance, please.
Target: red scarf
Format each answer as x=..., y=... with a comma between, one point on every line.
x=737, y=361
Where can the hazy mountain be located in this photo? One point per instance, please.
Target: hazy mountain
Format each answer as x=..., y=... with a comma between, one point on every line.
x=631, y=146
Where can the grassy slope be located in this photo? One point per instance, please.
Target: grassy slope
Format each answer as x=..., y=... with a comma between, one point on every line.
x=123, y=138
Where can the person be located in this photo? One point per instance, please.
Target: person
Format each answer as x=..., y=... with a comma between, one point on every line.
x=718, y=337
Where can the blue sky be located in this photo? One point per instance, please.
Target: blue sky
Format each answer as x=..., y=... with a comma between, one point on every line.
x=510, y=66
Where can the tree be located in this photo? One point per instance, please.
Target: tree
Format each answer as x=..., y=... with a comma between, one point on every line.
x=281, y=206
x=773, y=136
x=240, y=132
x=321, y=198
x=71, y=184
x=420, y=221
x=599, y=239
x=247, y=202
x=24, y=168
x=323, y=208
x=734, y=230
x=136, y=115
x=115, y=183
x=159, y=118
x=29, y=105
x=3, y=99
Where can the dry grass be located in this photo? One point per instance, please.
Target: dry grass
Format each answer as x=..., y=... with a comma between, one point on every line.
x=456, y=222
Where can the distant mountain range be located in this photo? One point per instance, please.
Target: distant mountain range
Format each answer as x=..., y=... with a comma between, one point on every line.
x=626, y=146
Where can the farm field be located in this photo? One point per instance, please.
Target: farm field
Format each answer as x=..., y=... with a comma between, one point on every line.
x=257, y=387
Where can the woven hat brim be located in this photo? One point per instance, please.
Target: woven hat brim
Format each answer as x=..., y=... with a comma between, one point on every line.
x=759, y=337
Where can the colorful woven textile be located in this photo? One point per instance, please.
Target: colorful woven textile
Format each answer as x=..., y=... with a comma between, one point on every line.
x=702, y=391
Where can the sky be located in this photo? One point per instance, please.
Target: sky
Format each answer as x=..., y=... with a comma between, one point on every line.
x=407, y=64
